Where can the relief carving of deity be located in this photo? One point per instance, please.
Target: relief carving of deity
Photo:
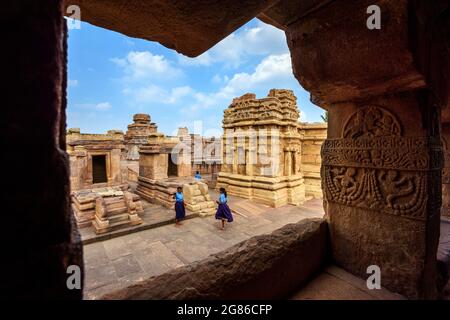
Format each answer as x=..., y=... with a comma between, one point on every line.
x=371, y=122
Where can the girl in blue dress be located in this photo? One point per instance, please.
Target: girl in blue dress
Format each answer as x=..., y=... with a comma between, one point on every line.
x=223, y=211
x=180, y=211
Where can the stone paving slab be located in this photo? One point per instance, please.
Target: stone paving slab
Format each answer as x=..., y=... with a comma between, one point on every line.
x=118, y=262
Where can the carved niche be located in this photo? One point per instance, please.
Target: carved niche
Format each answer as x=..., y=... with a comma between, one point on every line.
x=374, y=167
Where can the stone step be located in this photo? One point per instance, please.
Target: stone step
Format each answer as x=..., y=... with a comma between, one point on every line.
x=115, y=211
x=118, y=218
x=113, y=200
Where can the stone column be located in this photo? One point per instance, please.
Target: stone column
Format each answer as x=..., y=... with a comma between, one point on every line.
x=446, y=171
x=39, y=239
x=287, y=162
x=249, y=161
x=235, y=150
x=381, y=163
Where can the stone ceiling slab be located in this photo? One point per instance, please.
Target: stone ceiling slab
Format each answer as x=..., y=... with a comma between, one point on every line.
x=189, y=27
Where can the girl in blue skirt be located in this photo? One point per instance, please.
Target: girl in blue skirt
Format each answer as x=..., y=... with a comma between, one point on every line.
x=223, y=211
x=180, y=211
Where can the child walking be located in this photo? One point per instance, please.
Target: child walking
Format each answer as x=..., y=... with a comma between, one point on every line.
x=180, y=211
x=223, y=211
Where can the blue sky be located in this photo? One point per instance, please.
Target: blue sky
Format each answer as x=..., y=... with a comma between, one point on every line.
x=112, y=77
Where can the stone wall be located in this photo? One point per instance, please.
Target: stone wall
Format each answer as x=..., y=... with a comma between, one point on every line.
x=81, y=147
x=446, y=170
x=39, y=239
x=313, y=136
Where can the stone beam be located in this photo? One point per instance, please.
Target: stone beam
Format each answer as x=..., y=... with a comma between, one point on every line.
x=189, y=27
x=382, y=160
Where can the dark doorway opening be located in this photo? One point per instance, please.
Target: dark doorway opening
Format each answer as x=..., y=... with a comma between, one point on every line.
x=172, y=170
x=99, y=169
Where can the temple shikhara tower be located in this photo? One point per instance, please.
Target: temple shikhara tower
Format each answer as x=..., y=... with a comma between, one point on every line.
x=262, y=149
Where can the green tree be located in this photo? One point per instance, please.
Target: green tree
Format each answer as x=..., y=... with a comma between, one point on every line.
x=325, y=117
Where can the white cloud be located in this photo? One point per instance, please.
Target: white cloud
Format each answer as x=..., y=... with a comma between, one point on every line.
x=263, y=39
x=72, y=83
x=271, y=69
x=178, y=93
x=217, y=79
x=272, y=72
x=157, y=94
x=139, y=65
x=102, y=106
x=204, y=59
x=303, y=117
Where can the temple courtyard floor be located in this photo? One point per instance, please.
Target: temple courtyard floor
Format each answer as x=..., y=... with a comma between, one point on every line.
x=126, y=259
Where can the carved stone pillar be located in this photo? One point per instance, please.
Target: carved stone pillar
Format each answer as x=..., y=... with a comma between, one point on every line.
x=382, y=161
x=380, y=178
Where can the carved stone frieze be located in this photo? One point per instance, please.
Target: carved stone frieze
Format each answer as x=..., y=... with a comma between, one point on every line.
x=373, y=167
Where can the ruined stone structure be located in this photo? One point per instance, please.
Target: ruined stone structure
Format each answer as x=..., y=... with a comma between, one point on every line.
x=95, y=159
x=117, y=209
x=106, y=209
x=99, y=180
x=197, y=199
x=382, y=87
x=135, y=136
x=164, y=164
x=262, y=149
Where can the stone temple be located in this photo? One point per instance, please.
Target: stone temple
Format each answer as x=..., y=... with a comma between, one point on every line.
x=384, y=166
x=262, y=149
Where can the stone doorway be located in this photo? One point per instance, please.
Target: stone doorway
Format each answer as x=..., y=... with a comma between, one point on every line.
x=172, y=170
x=99, y=169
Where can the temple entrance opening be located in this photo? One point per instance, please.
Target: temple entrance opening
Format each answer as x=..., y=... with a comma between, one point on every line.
x=172, y=170
x=99, y=169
